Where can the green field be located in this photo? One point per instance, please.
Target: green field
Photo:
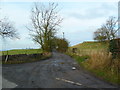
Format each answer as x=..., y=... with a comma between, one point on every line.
x=21, y=51
x=86, y=48
x=20, y=60
x=92, y=45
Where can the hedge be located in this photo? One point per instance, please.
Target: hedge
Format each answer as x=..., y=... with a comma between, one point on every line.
x=114, y=48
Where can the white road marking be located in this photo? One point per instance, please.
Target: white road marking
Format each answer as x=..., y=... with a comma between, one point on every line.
x=8, y=84
x=76, y=83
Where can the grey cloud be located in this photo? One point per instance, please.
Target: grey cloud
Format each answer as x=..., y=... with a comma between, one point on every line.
x=92, y=12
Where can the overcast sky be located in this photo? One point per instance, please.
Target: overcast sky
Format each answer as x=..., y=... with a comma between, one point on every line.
x=81, y=19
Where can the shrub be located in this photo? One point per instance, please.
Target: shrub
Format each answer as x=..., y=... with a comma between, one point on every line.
x=61, y=44
x=114, y=48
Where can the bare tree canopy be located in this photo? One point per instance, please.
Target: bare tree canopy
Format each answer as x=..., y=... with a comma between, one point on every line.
x=7, y=29
x=107, y=31
x=45, y=22
x=111, y=27
x=100, y=34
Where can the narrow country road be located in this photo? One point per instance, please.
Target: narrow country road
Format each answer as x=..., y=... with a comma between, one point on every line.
x=55, y=72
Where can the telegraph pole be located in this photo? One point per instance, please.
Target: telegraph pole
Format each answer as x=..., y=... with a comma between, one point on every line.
x=119, y=19
x=63, y=35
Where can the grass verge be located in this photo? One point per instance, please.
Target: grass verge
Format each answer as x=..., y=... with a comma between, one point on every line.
x=107, y=73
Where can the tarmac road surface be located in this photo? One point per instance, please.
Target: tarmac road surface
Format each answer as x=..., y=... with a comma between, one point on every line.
x=55, y=72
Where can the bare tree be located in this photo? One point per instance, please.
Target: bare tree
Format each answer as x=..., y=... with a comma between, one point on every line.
x=111, y=28
x=45, y=22
x=100, y=34
x=108, y=30
x=7, y=29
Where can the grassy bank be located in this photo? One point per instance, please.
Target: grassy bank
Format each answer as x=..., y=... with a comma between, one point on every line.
x=91, y=45
x=94, y=57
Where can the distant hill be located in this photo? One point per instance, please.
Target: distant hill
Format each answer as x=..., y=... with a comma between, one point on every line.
x=92, y=45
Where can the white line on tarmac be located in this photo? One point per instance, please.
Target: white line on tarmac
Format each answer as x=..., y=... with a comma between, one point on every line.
x=69, y=81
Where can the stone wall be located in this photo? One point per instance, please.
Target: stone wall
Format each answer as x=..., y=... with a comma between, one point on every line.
x=21, y=57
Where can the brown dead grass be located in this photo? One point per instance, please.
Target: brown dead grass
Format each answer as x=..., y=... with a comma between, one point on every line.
x=99, y=59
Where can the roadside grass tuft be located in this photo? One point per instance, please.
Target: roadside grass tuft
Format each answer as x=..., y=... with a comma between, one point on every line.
x=106, y=75
x=79, y=59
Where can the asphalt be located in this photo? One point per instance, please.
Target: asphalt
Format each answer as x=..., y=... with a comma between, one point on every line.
x=55, y=72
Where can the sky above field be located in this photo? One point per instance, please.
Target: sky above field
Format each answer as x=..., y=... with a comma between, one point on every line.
x=81, y=19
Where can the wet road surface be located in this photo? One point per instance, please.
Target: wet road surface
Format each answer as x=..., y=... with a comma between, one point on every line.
x=55, y=72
